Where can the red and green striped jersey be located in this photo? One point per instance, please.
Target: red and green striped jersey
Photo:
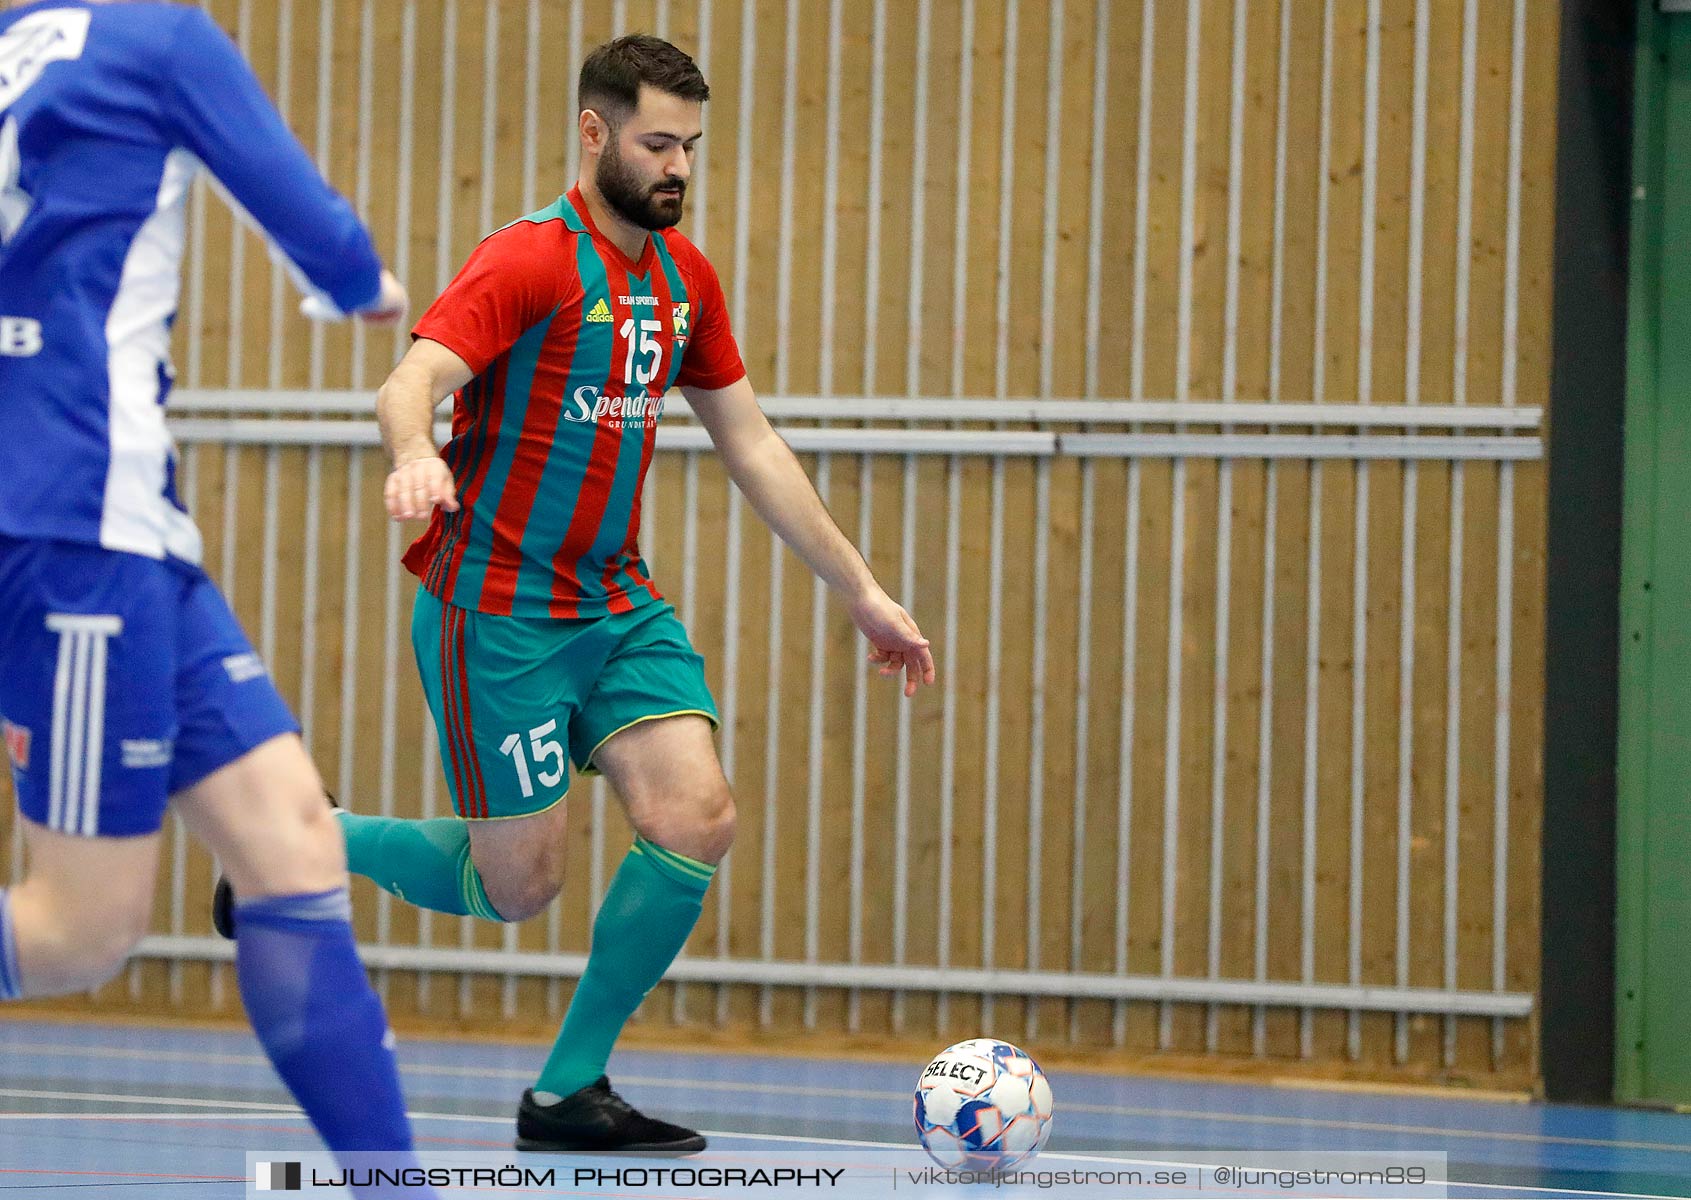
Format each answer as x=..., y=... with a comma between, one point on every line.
x=573, y=347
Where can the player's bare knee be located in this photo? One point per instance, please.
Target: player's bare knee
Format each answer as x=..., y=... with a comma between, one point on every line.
x=700, y=824
x=520, y=895
x=717, y=822
x=70, y=953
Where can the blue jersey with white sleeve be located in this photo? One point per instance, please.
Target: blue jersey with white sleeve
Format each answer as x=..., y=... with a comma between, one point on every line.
x=107, y=111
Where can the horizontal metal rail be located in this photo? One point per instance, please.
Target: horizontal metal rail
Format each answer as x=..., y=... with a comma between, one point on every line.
x=291, y=431
x=914, y=979
x=882, y=408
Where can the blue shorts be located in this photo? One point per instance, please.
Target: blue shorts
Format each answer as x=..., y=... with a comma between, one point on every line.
x=123, y=681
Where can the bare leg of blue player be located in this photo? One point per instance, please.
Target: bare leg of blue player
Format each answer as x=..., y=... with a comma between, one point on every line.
x=305, y=991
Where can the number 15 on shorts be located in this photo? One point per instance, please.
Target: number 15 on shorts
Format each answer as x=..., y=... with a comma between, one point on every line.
x=542, y=747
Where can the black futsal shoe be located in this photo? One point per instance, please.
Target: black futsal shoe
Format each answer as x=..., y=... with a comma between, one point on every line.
x=596, y=1118
x=223, y=897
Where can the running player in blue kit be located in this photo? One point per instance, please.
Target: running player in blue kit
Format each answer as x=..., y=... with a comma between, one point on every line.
x=126, y=684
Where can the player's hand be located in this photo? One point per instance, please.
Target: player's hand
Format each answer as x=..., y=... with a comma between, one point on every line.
x=416, y=487
x=899, y=646
x=390, y=305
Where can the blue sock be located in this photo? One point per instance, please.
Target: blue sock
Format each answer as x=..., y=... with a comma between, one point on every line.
x=11, y=979
x=322, y=1026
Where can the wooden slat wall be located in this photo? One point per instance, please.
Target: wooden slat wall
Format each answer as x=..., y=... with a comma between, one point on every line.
x=1308, y=284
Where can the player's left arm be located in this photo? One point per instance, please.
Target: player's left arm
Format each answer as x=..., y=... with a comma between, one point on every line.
x=765, y=469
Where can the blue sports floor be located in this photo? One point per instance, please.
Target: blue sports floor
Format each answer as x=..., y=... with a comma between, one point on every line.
x=92, y=1111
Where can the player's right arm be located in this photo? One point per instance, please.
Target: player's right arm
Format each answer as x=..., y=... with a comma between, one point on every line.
x=511, y=282
x=405, y=406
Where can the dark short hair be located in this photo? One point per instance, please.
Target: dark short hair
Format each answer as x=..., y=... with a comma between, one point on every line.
x=612, y=75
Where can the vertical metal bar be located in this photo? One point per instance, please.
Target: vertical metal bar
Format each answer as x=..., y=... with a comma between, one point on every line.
x=1506, y=531
x=1458, y=521
x=859, y=753
x=1036, y=716
x=872, y=267
x=1359, y=563
x=531, y=108
x=771, y=769
x=1088, y=498
x=324, y=132
x=784, y=241
x=238, y=251
x=954, y=505
x=1312, y=648
x=1270, y=534
x=1001, y=384
x=1411, y=502
x=1177, y=524
x=730, y=727
x=1224, y=505
x=1006, y=197
x=572, y=145
x=1500, y=733
x=270, y=541
x=731, y=606
x=1130, y=564
x=352, y=568
x=1042, y=486
x=960, y=188
x=994, y=707
x=284, y=106
x=813, y=789
x=431, y=774
x=489, y=111
x=918, y=209
x=366, y=126
x=390, y=717
x=407, y=145
x=310, y=608
x=619, y=17
x=701, y=160
x=907, y=558
x=446, y=181
x=660, y=22
x=824, y=480
x=1083, y=726
x=490, y=77
x=948, y=731
x=777, y=559
x=901, y=794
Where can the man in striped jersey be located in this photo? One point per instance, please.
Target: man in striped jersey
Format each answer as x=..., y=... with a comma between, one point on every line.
x=541, y=639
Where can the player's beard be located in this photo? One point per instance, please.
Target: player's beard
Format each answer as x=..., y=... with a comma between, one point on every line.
x=650, y=206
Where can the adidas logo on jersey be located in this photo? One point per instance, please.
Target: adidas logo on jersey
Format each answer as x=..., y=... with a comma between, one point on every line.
x=601, y=313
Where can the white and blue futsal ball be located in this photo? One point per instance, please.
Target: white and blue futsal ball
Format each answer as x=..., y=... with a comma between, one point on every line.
x=982, y=1105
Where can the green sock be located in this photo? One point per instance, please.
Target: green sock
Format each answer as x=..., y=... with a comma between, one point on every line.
x=426, y=863
x=652, y=905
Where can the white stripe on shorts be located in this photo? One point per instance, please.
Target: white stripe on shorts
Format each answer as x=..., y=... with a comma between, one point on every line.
x=79, y=720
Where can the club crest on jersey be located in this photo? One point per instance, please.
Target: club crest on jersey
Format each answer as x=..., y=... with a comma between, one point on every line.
x=587, y=406
x=683, y=317
x=600, y=314
x=26, y=49
x=17, y=744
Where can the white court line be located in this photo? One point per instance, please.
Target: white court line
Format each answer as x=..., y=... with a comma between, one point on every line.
x=733, y=1135
x=107, y=1098
x=162, y=1116
x=875, y=1094
x=249, y=1108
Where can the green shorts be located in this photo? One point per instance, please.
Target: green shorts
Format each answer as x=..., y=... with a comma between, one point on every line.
x=512, y=695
